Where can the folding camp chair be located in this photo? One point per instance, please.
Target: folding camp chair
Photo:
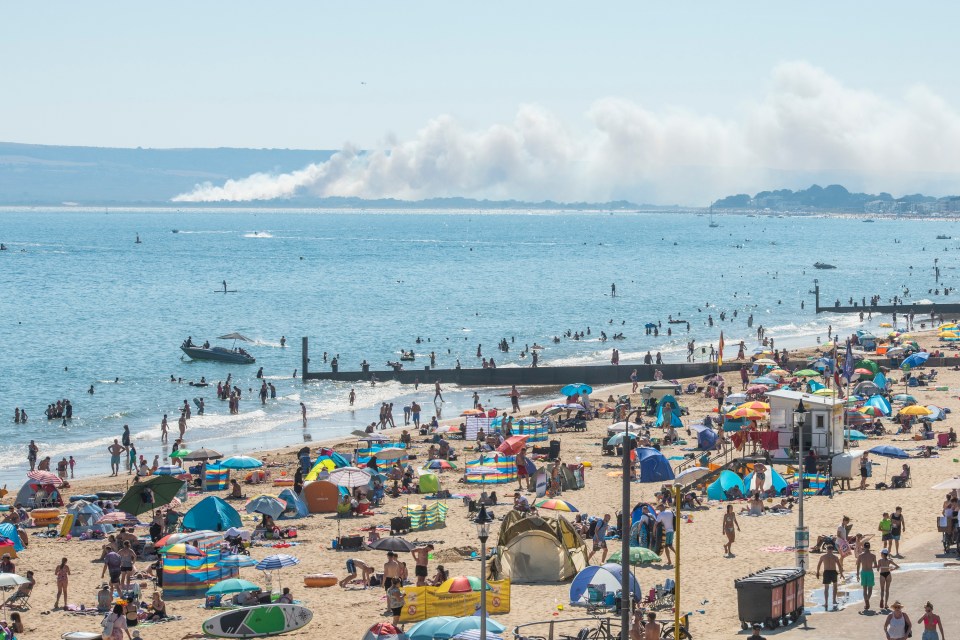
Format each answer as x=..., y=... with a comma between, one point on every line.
x=20, y=600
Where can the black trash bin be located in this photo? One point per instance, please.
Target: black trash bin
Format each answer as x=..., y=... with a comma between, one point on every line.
x=770, y=597
x=554, y=450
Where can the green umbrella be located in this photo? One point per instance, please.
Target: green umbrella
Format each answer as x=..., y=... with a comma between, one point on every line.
x=180, y=453
x=638, y=555
x=163, y=489
x=231, y=585
x=807, y=373
x=868, y=364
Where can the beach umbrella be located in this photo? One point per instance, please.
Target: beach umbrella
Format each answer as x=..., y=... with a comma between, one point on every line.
x=277, y=562
x=553, y=504
x=916, y=360
x=384, y=631
x=569, y=406
x=150, y=494
x=765, y=380
x=512, y=445
x=241, y=462
x=45, y=478
x=749, y=414
x=169, y=539
x=905, y=398
x=180, y=453
x=459, y=625
x=867, y=388
x=266, y=505
x=460, y=584
x=182, y=549
x=425, y=629
x=474, y=634
x=622, y=426
x=889, y=451
x=237, y=561
x=691, y=474
x=638, y=556
x=115, y=517
x=391, y=453
x=168, y=470
x=203, y=454
x=439, y=465
x=10, y=580
x=756, y=389
x=778, y=372
x=825, y=392
x=863, y=371
x=575, y=388
x=350, y=477
x=766, y=361
x=617, y=438
x=915, y=410
x=868, y=364
x=870, y=411
x=853, y=434
x=952, y=483
x=231, y=585
x=755, y=406
x=392, y=543
x=807, y=373
x=855, y=418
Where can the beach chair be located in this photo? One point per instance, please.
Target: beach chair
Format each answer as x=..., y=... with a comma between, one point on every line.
x=596, y=599
x=20, y=600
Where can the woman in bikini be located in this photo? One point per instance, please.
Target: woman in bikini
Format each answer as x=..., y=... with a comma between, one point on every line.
x=729, y=524
x=63, y=576
x=931, y=622
x=885, y=565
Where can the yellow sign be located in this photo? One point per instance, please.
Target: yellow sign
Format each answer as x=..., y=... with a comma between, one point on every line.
x=424, y=602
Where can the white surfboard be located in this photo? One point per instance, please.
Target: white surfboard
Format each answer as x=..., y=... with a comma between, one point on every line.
x=258, y=622
x=81, y=635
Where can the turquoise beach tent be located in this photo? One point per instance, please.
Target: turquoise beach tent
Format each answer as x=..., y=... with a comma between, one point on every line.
x=674, y=411
x=727, y=481
x=10, y=532
x=211, y=513
x=880, y=403
x=772, y=479
x=296, y=507
x=880, y=380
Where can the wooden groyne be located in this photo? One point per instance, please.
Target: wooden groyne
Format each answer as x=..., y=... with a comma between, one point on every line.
x=922, y=310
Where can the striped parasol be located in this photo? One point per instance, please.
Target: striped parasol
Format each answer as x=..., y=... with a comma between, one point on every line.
x=45, y=477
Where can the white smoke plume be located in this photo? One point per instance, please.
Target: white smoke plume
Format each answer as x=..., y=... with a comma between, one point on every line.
x=807, y=127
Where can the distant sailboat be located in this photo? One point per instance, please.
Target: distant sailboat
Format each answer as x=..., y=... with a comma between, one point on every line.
x=138, y=239
x=712, y=222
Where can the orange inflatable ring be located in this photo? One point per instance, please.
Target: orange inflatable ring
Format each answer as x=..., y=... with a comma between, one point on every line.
x=45, y=514
x=319, y=580
x=283, y=482
x=260, y=475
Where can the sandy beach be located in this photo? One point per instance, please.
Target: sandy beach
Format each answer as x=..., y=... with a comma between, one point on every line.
x=707, y=576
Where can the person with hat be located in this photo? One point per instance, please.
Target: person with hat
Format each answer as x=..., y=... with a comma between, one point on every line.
x=885, y=565
x=897, y=625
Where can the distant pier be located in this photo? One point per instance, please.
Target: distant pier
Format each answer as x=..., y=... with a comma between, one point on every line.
x=928, y=310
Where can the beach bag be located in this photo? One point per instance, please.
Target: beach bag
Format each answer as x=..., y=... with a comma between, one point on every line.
x=107, y=624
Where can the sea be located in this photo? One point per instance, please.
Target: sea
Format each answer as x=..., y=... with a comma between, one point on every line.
x=83, y=305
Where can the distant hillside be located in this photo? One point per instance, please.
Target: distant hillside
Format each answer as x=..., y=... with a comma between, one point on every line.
x=836, y=199
x=39, y=174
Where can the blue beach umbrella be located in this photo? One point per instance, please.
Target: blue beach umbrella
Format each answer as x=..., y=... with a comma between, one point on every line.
x=232, y=585
x=237, y=560
x=575, y=388
x=277, y=561
x=916, y=360
x=853, y=434
x=168, y=470
x=764, y=380
x=459, y=625
x=889, y=451
x=426, y=629
x=617, y=438
x=241, y=462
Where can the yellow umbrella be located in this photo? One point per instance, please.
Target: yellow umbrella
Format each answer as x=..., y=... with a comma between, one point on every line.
x=949, y=325
x=778, y=372
x=825, y=392
x=947, y=334
x=915, y=410
x=756, y=405
x=749, y=414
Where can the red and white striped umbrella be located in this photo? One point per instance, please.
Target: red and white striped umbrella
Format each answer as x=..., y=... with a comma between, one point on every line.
x=115, y=517
x=45, y=477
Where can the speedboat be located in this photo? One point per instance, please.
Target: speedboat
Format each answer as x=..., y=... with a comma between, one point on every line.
x=823, y=265
x=219, y=354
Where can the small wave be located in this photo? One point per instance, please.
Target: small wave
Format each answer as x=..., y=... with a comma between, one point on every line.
x=258, y=234
x=204, y=232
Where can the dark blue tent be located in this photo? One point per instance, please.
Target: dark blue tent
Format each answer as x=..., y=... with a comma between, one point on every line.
x=654, y=466
x=707, y=439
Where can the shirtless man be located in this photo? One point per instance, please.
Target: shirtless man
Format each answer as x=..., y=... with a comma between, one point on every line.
x=729, y=523
x=355, y=567
x=830, y=565
x=651, y=630
x=115, y=450
x=866, y=563
x=421, y=556
x=391, y=570
x=164, y=429
x=437, y=392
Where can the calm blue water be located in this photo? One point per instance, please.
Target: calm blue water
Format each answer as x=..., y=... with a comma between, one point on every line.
x=82, y=304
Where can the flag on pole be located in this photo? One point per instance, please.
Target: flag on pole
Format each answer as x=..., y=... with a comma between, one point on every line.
x=848, y=363
x=720, y=352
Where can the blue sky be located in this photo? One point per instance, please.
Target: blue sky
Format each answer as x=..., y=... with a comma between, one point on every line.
x=290, y=74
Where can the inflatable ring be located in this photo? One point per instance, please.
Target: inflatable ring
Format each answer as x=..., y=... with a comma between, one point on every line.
x=109, y=495
x=45, y=514
x=283, y=482
x=319, y=580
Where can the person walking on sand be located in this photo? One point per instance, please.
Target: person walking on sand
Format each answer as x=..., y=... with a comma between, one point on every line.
x=885, y=566
x=116, y=449
x=62, y=571
x=898, y=527
x=931, y=622
x=897, y=625
x=830, y=566
x=600, y=539
x=303, y=412
x=515, y=398
x=164, y=429
x=437, y=392
x=866, y=563
x=729, y=524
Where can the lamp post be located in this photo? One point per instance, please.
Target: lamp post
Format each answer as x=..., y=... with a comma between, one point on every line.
x=801, y=538
x=676, y=568
x=483, y=521
x=625, y=591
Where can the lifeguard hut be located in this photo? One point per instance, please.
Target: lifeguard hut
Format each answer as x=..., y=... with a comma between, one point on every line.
x=824, y=421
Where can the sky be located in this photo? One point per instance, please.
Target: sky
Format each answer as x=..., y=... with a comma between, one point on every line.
x=674, y=102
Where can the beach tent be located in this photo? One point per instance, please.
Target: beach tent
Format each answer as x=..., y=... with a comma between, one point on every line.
x=211, y=513
x=215, y=477
x=731, y=425
x=654, y=466
x=607, y=577
x=85, y=515
x=936, y=413
x=867, y=388
x=11, y=533
x=189, y=576
x=706, y=437
x=321, y=496
x=675, y=411
x=296, y=507
x=771, y=480
x=29, y=490
x=880, y=403
x=880, y=380
x=728, y=480
x=536, y=549
x=429, y=483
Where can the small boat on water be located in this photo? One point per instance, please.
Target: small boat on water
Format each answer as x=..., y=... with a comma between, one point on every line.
x=941, y=237
x=869, y=220
x=234, y=354
x=823, y=265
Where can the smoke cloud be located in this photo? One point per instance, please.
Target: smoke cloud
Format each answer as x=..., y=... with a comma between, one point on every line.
x=807, y=127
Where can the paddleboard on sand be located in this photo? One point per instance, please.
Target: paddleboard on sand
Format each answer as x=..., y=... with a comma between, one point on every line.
x=257, y=622
x=81, y=635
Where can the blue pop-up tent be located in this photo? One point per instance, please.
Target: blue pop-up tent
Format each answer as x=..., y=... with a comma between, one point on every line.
x=609, y=576
x=654, y=466
x=296, y=507
x=727, y=481
x=880, y=403
x=211, y=513
x=674, y=411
